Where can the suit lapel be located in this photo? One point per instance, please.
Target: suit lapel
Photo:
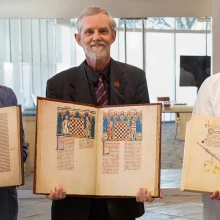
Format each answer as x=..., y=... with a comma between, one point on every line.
x=79, y=88
x=118, y=83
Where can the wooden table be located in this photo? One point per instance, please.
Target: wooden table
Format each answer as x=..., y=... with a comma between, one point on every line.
x=185, y=113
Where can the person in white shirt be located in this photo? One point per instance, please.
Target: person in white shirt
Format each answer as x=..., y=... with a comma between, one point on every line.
x=208, y=103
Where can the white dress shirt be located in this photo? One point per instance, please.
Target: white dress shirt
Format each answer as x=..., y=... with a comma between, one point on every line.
x=208, y=103
x=208, y=99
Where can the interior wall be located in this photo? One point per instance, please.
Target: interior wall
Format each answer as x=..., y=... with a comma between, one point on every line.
x=215, y=36
x=122, y=8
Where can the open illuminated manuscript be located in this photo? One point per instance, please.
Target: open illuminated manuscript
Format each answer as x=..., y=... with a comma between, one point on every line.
x=201, y=163
x=11, y=154
x=97, y=151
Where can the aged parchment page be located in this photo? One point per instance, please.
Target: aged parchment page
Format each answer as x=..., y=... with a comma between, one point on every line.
x=65, y=147
x=10, y=146
x=201, y=163
x=128, y=150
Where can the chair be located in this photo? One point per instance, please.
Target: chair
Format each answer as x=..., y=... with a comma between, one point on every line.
x=177, y=122
x=165, y=104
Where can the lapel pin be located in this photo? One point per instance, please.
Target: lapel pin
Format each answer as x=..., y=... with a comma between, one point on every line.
x=117, y=84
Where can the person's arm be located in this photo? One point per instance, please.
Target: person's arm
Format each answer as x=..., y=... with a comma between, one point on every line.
x=24, y=146
x=203, y=104
x=51, y=90
x=142, y=95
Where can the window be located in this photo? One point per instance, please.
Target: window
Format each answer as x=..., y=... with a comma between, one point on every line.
x=34, y=50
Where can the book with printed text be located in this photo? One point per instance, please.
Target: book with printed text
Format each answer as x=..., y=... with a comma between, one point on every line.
x=109, y=151
x=11, y=153
x=201, y=162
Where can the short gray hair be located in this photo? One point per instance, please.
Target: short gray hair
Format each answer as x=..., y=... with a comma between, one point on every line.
x=93, y=10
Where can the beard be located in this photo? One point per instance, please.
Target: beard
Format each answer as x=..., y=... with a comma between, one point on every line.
x=96, y=50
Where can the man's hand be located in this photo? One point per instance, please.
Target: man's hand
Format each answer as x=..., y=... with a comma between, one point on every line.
x=144, y=196
x=58, y=192
x=215, y=195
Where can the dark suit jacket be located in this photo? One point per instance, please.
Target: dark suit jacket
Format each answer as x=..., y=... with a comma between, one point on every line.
x=72, y=85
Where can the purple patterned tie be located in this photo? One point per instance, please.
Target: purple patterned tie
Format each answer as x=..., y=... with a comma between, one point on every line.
x=100, y=91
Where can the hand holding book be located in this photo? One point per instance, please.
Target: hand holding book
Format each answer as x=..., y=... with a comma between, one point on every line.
x=145, y=196
x=215, y=195
x=58, y=192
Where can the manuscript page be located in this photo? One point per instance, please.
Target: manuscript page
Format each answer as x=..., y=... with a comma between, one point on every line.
x=201, y=162
x=65, y=147
x=128, y=150
x=10, y=146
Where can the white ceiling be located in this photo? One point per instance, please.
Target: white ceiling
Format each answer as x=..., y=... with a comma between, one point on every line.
x=118, y=8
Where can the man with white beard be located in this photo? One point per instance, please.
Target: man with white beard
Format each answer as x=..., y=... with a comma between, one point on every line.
x=123, y=84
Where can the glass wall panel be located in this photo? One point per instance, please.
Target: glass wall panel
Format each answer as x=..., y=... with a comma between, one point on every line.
x=188, y=44
x=160, y=65
x=64, y=56
x=121, y=46
x=5, y=41
x=160, y=23
x=134, y=42
x=36, y=59
x=115, y=46
x=26, y=40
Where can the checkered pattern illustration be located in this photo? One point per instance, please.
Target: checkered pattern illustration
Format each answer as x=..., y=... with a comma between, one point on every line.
x=121, y=130
x=77, y=127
